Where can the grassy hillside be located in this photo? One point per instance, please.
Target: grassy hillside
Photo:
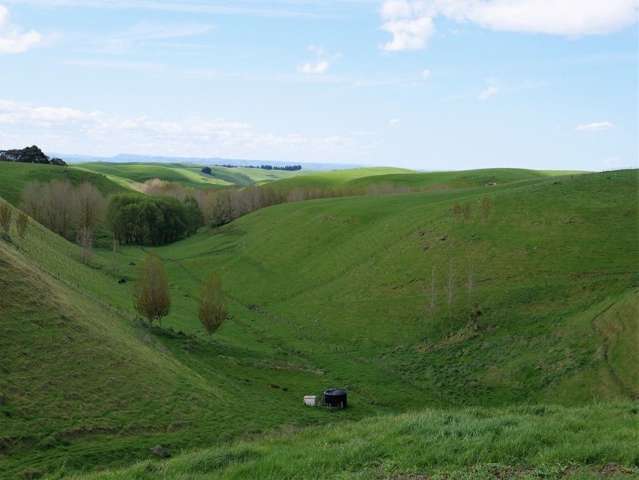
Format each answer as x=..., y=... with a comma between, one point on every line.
x=530, y=442
x=543, y=309
x=347, y=281
x=140, y=173
x=85, y=384
x=335, y=178
x=14, y=177
x=452, y=180
x=187, y=175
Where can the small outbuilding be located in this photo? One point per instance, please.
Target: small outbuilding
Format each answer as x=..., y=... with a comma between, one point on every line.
x=310, y=400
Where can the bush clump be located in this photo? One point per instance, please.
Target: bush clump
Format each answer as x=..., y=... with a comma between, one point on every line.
x=145, y=220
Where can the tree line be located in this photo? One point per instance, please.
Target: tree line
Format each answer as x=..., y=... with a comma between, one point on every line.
x=288, y=168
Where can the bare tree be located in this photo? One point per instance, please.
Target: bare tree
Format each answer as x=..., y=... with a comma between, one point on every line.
x=5, y=218
x=151, y=295
x=85, y=240
x=89, y=206
x=65, y=209
x=212, y=311
x=22, y=223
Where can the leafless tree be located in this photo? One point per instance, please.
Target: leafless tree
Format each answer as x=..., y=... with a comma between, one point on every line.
x=212, y=310
x=151, y=295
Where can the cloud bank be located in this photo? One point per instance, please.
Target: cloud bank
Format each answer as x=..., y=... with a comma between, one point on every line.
x=412, y=22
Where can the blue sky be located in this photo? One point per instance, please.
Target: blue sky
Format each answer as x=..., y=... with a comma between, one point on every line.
x=429, y=84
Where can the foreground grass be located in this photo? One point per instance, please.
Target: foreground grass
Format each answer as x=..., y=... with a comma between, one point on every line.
x=525, y=442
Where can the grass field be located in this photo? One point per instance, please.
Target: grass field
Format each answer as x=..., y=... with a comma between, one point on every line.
x=187, y=175
x=336, y=178
x=536, y=298
x=529, y=442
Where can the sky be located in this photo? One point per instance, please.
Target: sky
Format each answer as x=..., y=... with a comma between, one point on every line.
x=425, y=84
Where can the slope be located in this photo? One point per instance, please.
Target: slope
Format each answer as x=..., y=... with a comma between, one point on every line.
x=14, y=177
x=452, y=180
x=141, y=172
x=518, y=279
x=335, y=178
x=84, y=384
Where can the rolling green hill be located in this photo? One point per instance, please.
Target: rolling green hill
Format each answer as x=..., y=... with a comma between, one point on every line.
x=454, y=180
x=535, y=302
x=335, y=178
x=14, y=177
x=140, y=173
x=187, y=175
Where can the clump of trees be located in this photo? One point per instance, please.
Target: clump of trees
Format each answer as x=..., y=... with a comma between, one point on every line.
x=212, y=311
x=151, y=297
x=73, y=212
x=146, y=220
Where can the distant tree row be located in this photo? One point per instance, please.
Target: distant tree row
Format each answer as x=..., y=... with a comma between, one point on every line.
x=288, y=168
x=152, y=220
x=152, y=299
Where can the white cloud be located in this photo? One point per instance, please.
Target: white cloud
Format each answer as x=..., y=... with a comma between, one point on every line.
x=411, y=22
x=490, y=90
x=12, y=38
x=594, y=127
x=394, y=122
x=100, y=133
x=426, y=74
x=314, y=68
x=408, y=22
x=320, y=64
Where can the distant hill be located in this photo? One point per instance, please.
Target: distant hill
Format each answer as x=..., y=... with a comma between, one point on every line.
x=202, y=161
